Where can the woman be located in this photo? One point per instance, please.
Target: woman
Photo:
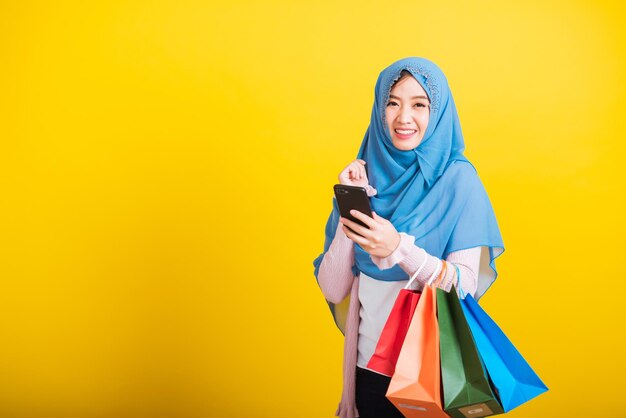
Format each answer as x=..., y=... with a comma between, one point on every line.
x=430, y=212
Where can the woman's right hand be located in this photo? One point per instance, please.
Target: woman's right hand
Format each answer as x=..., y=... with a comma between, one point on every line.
x=354, y=174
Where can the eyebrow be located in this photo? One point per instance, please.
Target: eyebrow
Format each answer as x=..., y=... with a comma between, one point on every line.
x=414, y=97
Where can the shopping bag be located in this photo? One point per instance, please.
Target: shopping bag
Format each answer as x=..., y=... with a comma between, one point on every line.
x=513, y=379
x=391, y=339
x=415, y=387
x=395, y=329
x=466, y=389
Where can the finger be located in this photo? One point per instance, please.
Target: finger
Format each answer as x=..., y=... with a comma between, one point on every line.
x=363, y=217
x=362, y=161
x=357, y=170
x=377, y=217
x=355, y=237
x=359, y=229
x=352, y=173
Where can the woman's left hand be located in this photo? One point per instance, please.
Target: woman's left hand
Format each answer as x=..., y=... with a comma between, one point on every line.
x=381, y=239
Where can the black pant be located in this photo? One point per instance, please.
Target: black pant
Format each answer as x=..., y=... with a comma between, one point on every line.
x=370, y=395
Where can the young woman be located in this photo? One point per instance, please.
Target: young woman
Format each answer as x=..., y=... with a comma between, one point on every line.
x=430, y=211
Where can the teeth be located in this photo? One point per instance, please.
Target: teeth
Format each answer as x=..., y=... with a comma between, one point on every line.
x=405, y=131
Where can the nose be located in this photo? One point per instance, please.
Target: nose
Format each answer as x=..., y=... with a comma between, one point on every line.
x=404, y=115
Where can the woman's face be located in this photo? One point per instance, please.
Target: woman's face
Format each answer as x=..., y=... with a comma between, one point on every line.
x=407, y=113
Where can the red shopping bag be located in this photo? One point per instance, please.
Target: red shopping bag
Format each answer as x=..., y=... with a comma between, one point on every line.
x=391, y=339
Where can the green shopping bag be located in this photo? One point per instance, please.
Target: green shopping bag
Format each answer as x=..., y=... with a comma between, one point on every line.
x=466, y=389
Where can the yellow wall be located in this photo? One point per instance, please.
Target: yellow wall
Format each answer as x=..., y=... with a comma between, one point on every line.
x=166, y=171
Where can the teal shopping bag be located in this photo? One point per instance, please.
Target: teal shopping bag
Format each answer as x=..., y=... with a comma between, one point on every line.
x=513, y=379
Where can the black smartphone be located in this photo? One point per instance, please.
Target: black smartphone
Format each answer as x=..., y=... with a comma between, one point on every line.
x=352, y=197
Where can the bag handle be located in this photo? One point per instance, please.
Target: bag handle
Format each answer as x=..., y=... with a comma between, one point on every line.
x=442, y=275
x=458, y=281
x=435, y=273
x=414, y=276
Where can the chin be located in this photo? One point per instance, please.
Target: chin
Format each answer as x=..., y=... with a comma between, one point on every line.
x=405, y=145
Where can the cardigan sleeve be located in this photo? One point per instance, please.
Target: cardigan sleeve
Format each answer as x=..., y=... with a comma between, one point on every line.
x=335, y=274
x=410, y=257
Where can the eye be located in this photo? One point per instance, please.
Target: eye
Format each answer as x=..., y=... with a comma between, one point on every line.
x=420, y=105
x=391, y=103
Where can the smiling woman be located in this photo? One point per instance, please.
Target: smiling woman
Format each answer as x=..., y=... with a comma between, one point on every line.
x=431, y=217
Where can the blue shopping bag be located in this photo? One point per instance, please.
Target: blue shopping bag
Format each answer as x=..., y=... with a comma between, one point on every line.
x=513, y=379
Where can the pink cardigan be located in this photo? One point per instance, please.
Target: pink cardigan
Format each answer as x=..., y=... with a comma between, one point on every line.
x=336, y=281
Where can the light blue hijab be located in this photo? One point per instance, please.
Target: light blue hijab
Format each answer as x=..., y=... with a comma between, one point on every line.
x=431, y=192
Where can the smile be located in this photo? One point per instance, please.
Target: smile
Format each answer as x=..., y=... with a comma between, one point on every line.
x=405, y=133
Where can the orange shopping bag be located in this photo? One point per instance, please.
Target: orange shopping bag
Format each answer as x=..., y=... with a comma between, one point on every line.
x=415, y=387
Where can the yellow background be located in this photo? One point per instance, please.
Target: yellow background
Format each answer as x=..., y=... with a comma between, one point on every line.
x=166, y=172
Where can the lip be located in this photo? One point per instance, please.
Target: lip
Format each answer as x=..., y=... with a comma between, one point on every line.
x=404, y=136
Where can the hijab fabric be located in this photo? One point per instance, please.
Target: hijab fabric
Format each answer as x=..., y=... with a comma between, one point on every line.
x=431, y=192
